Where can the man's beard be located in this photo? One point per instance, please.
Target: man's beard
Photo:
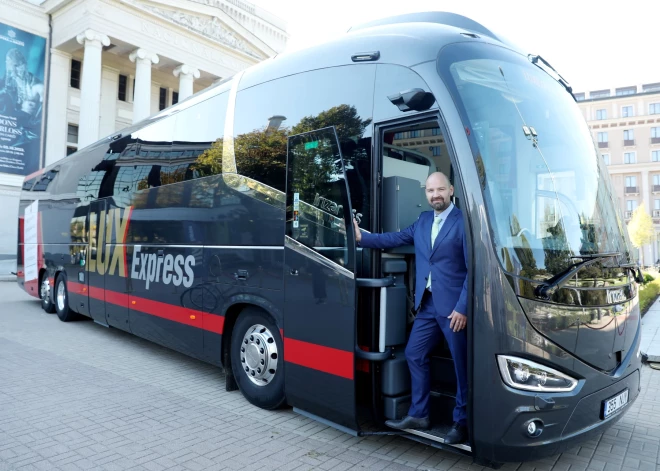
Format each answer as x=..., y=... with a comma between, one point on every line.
x=440, y=205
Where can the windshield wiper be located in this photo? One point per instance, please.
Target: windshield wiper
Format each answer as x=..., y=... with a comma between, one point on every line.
x=534, y=59
x=548, y=287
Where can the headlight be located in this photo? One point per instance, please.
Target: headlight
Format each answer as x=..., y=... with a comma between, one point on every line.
x=525, y=374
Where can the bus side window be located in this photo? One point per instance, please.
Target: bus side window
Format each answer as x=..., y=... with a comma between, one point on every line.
x=198, y=141
x=154, y=146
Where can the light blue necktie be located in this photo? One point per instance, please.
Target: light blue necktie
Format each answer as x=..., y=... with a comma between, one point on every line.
x=435, y=228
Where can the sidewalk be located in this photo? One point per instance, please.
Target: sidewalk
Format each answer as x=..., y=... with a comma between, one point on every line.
x=651, y=333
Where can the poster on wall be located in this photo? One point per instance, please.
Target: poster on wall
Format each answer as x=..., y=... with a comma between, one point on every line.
x=22, y=64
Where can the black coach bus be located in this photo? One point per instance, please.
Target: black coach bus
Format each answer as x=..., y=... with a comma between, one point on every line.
x=221, y=228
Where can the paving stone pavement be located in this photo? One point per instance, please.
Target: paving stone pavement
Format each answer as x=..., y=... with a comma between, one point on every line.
x=79, y=396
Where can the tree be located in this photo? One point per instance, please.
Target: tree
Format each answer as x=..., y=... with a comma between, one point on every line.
x=640, y=229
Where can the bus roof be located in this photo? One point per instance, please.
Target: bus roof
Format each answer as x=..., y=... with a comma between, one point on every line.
x=404, y=40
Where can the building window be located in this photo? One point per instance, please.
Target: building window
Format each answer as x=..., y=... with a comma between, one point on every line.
x=121, y=92
x=599, y=94
x=579, y=96
x=436, y=132
x=133, y=91
x=175, y=98
x=654, y=108
x=437, y=151
x=656, y=180
x=631, y=185
x=627, y=111
x=76, y=68
x=629, y=158
x=603, y=140
x=631, y=205
x=655, y=133
x=626, y=91
x=162, y=99
x=72, y=139
x=72, y=135
x=655, y=156
x=651, y=87
x=656, y=205
x=601, y=114
x=606, y=159
x=628, y=137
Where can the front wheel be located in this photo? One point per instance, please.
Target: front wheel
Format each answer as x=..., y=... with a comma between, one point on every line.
x=62, y=300
x=257, y=359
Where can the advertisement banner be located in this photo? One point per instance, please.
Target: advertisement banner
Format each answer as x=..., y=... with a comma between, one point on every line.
x=22, y=63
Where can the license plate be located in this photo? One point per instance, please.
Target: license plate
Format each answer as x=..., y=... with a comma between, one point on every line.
x=614, y=404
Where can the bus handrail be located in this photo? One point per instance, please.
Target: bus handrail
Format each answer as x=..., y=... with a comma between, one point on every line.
x=375, y=282
x=372, y=356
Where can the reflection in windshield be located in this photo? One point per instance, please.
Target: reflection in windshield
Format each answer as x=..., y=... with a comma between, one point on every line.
x=547, y=196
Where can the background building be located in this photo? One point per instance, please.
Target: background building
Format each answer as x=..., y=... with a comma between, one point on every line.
x=625, y=123
x=74, y=71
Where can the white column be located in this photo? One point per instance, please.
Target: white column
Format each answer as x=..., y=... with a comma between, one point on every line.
x=58, y=95
x=142, y=102
x=187, y=76
x=90, y=88
x=109, y=89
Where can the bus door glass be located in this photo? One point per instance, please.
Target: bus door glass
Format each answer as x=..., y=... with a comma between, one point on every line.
x=319, y=255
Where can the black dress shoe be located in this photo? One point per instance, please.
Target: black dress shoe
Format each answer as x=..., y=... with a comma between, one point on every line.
x=410, y=422
x=457, y=434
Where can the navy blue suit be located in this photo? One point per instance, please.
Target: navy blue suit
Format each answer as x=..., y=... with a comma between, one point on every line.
x=447, y=263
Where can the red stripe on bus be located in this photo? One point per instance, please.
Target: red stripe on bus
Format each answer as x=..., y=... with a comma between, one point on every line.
x=182, y=315
x=317, y=357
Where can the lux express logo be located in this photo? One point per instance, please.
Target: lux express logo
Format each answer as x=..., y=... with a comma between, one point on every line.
x=170, y=268
x=109, y=230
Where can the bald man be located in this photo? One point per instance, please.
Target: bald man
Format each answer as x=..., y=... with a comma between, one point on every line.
x=440, y=300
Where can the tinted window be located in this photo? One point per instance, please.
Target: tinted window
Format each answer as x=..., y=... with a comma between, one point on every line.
x=392, y=80
x=317, y=208
x=153, y=154
x=268, y=113
x=197, y=148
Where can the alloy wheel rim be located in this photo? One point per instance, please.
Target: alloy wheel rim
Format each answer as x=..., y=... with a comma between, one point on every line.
x=259, y=355
x=61, y=296
x=45, y=290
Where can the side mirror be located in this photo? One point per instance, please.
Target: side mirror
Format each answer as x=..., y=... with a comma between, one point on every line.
x=414, y=99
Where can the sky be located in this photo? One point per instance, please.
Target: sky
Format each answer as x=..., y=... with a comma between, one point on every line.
x=592, y=44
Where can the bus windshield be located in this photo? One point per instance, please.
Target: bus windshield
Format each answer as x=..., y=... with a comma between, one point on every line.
x=547, y=195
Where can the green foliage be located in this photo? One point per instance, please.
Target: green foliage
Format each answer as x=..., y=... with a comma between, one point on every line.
x=648, y=293
x=648, y=278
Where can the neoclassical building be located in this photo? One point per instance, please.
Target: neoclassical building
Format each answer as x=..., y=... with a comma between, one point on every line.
x=110, y=63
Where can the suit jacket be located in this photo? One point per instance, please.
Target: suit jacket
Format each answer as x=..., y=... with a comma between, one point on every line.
x=446, y=261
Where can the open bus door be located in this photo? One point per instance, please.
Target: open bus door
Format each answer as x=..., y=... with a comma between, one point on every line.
x=320, y=284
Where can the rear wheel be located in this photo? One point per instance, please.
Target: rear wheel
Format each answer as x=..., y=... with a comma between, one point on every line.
x=256, y=359
x=62, y=300
x=47, y=303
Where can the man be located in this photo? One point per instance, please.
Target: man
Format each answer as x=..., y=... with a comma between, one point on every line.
x=440, y=300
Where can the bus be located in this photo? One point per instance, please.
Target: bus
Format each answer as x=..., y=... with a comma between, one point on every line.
x=221, y=227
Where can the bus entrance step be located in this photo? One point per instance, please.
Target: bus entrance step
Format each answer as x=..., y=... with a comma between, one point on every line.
x=437, y=434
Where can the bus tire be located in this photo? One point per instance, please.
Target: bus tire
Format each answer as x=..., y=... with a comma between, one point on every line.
x=257, y=359
x=61, y=296
x=45, y=289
